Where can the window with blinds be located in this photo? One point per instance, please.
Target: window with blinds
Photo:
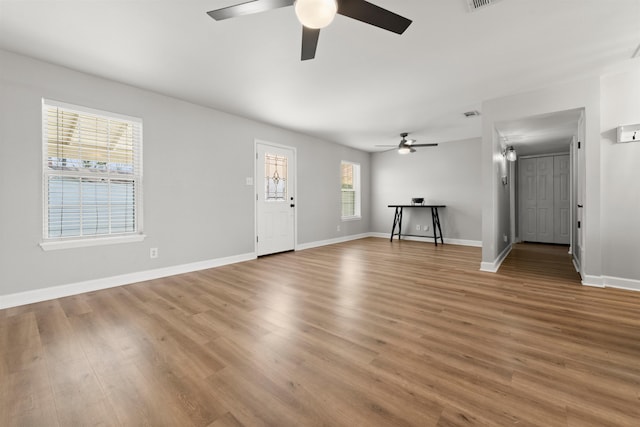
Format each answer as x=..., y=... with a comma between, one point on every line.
x=350, y=190
x=92, y=172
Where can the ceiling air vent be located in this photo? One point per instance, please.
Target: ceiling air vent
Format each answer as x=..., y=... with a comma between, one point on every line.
x=479, y=4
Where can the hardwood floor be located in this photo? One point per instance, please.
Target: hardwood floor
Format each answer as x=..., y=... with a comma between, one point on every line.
x=365, y=333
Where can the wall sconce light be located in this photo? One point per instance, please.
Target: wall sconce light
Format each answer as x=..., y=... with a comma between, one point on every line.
x=510, y=153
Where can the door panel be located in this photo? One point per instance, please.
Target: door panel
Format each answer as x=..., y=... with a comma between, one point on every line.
x=544, y=203
x=275, y=199
x=545, y=225
x=561, y=202
x=563, y=226
x=528, y=199
x=530, y=225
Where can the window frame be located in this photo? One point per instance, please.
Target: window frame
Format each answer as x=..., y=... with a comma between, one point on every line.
x=357, y=191
x=137, y=235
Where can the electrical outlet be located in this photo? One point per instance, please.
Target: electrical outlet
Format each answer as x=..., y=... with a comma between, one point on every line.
x=505, y=238
x=153, y=253
x=338, y=228
x=418, y=227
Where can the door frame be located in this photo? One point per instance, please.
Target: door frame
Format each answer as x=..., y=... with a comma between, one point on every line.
x=257, y=142
x=579, y=150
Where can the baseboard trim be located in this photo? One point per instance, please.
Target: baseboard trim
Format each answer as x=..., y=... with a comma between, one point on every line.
x=592, y=281
x=342, y=239
x=493, y=267
x=461, y=242
x=38, y=295
x=621, y=283
x=611, y=282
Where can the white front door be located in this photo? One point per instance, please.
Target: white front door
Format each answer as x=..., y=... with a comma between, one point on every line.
x=275, y=198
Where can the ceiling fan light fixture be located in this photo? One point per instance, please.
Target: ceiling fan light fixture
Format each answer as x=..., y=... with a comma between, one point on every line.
x=316, y=14
x=404, y=150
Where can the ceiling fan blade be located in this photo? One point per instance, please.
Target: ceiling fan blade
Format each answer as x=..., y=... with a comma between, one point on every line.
x=309, y=43
x=374, y=15
x=248, y=8
x=423, y=145
x=386, y=145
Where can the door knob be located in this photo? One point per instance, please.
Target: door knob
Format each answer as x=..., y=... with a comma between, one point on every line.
x=292, y=205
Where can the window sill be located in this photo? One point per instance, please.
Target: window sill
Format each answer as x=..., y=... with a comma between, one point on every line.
x=55, y=245
x=351, y=218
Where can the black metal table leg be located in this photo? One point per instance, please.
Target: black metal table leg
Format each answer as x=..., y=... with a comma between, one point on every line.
x=395, y=222
x=436, y=223
x=434, y=214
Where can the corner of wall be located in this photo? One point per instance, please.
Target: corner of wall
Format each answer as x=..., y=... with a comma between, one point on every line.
x=494, y=266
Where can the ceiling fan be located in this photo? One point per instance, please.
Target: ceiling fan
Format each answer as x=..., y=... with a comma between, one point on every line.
x=407, y=146
x=317, y=14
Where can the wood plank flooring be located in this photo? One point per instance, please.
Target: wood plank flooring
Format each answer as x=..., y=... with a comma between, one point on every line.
x=365, y=333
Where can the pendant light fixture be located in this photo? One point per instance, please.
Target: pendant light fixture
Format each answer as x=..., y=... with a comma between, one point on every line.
x=404, y=149
x=316, y=14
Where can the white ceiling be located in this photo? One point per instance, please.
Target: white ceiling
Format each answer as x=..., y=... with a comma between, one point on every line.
x=547, y=133
x=365, y=86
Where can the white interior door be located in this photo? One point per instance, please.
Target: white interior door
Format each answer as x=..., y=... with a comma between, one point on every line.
x=528, y=200
x=561, y=199
x=545, y=205
x=544, y=208
x=275, y=198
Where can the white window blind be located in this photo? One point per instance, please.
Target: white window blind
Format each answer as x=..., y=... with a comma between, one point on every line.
x=350, y=186
x=92, y=172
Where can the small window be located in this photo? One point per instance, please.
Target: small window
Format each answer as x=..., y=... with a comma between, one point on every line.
x=92, y=173
x=350, y=190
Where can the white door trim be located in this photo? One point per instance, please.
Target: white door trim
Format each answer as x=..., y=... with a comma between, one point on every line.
x=257, y=181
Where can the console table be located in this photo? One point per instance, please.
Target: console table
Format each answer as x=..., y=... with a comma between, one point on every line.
x=435, y=220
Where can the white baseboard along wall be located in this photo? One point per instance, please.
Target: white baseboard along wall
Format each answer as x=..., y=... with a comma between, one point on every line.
x=30, y=297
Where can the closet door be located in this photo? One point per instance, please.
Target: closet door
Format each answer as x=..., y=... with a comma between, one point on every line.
x=544, y=207
x=561, y=202
x=528, y=200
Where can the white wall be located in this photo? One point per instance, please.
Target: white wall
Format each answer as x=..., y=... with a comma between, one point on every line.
x=448, y=174
x=620, y=97
x=584, y=93
x=196, y=204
